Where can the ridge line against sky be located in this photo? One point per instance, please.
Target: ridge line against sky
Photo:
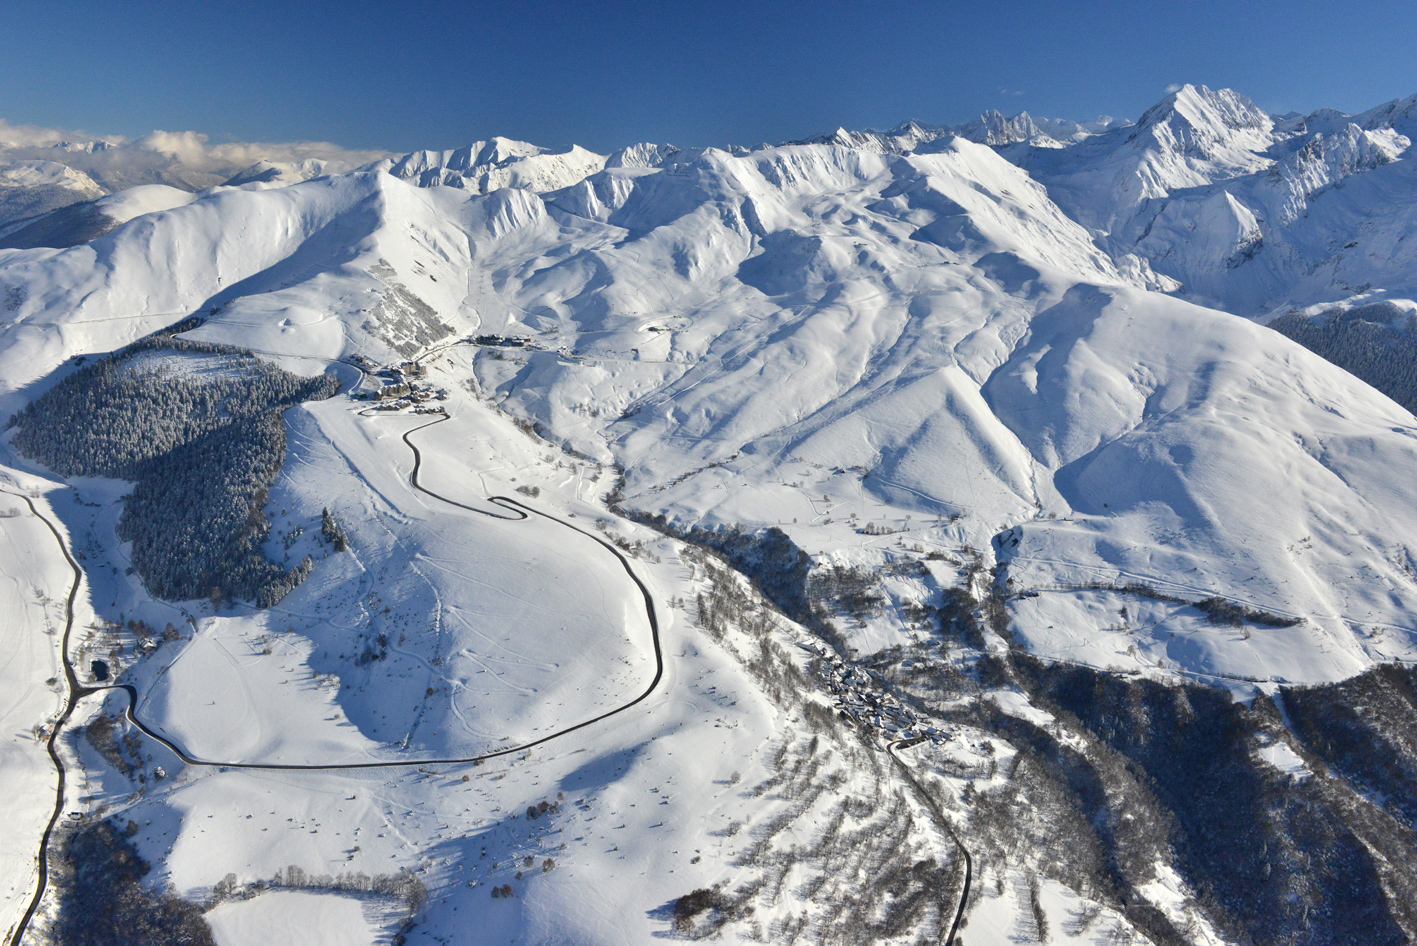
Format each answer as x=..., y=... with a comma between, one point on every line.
x=385, y=77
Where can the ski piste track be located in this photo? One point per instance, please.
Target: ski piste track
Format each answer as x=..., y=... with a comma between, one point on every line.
x=518, y=511
x=77, y=691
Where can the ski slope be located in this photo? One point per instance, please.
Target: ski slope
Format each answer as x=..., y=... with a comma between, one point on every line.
x=35, y=584
x=816, y=332
x=922, y=360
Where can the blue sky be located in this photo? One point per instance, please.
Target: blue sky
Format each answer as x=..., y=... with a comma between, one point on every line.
x=412, y=75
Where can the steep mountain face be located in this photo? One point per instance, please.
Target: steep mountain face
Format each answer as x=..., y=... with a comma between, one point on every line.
x=1399, y=115
x=1242, y=211
x=886, y=497
x=1191, y=138
x=493, y=165
x=30, y=188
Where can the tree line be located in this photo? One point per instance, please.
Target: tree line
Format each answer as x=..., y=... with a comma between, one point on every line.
x=201, y=448
x=1366, y=343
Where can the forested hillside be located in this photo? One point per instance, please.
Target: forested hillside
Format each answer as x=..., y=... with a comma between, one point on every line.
x=197, y=428
x=1374, y=342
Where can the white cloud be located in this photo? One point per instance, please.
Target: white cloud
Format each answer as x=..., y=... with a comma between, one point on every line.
x=182, y=159
x=1173, y=87
x=32, y=136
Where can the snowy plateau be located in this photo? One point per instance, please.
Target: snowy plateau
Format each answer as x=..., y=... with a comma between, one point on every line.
x=1003, y=533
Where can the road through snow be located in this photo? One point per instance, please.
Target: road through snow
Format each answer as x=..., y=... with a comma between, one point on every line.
x=77, y=692
x=942, y=823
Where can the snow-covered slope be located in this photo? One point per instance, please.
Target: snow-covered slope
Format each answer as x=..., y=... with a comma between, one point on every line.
x=936, y=326
x=1240, y=210
x=30, y=188
x=938, y=377
x=932, y=321
x=36, y=580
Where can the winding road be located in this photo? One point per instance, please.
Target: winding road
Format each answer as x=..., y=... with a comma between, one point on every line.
x=943, y=823
x=514, y=510
x=77, y=691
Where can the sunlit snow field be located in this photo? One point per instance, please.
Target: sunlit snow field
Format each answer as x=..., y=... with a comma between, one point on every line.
x=913, y=364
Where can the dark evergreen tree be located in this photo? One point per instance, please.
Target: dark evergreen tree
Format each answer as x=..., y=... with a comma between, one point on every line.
x=332, y=531
x=103, y=902
x=197, y=428
x=1376, y=343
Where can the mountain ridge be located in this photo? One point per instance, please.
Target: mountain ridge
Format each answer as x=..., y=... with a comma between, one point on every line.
x=1008, y=567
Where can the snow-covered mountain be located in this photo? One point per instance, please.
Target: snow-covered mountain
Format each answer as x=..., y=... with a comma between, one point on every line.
x=492, y=165
x=992, y=128
x=1208, y=197
x=45, y=169
x=30, y=188
x=907, y=500
x=1246, y=212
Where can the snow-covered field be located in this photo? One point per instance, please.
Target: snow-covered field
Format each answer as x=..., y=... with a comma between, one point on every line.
x=35, y=582
x=922, y=367
x=295, y=917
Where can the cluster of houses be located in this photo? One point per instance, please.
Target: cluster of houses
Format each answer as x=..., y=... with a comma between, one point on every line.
x=522, y=342
x=503, y=341
x=868, y=703
x=400, y=386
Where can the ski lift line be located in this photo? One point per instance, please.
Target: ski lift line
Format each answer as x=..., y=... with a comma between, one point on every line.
x=126, y=318
x=920, y=493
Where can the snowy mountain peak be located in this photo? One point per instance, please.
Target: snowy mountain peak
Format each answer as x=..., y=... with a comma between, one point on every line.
x=48, y=174
x=1284, y=193
x=1399, y=115
x=495, y=152
x=901, y=140
x=913, y=129
x=1200, y=106
x=84, y=147
x=643, y=155
x=1211, y=125
x=31, y=188
x=277, y=172
x=992, y=128
x=488, y=165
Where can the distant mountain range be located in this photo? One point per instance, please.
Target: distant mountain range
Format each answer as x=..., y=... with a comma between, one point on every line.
x=1031, y=488
x=1205, y=196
